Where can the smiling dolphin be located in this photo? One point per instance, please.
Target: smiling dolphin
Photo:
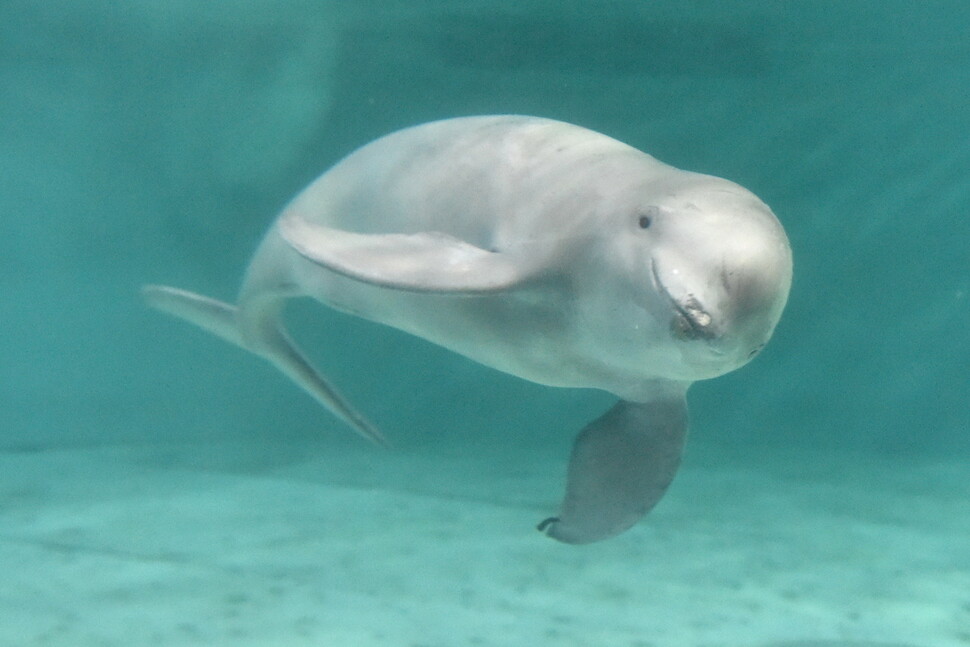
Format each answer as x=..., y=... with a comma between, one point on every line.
x=541, y=249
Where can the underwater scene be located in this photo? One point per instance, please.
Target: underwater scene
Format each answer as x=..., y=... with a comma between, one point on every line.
x=616, y=324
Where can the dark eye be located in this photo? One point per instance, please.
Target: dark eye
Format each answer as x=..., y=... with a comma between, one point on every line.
x=646, y=215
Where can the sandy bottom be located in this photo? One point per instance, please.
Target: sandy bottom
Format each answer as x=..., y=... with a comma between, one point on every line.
x=206, y=546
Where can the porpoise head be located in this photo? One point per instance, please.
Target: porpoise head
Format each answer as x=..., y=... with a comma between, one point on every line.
x=705, y=272
x=721, y=265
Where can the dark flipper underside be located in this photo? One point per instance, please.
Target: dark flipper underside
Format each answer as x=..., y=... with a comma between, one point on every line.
x=621, y=465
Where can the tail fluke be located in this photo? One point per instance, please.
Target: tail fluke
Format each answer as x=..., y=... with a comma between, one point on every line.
x=217, y=317
x=222, y=319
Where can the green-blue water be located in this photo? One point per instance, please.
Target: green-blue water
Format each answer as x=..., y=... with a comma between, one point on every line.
x=154, y=142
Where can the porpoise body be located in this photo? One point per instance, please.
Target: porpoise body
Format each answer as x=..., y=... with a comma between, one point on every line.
x=541, y=249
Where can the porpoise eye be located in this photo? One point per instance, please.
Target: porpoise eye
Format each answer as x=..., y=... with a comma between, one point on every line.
x=645, y=217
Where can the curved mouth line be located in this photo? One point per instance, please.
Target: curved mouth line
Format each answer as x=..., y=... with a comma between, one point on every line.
x=691, y=321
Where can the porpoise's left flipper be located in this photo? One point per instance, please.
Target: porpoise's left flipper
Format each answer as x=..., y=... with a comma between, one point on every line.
x=422, y=262
x=621, y=465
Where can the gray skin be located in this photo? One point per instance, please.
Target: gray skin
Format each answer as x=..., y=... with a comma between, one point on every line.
x=541, y=249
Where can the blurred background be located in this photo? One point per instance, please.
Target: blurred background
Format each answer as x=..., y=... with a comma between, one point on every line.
x=154, y=142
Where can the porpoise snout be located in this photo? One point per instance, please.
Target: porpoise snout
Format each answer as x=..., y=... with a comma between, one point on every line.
x=691, y=321
x=727, y=320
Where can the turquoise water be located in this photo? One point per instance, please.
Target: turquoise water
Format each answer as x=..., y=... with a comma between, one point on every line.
x=146, y=143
